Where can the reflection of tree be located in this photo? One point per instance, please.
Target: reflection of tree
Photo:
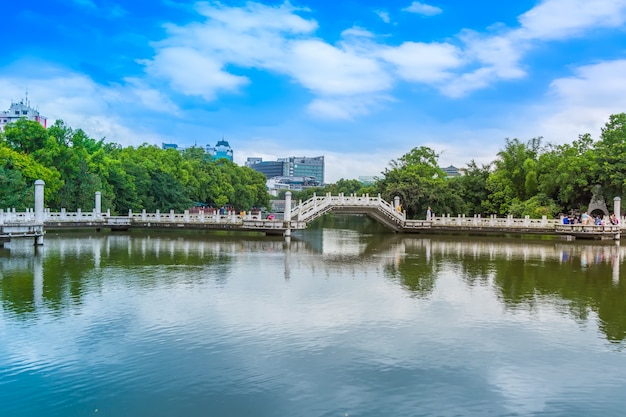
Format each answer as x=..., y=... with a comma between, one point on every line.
x=525, y=274
x=17, y=291
x=76, y=266
x=416, y=274
x=588, y=289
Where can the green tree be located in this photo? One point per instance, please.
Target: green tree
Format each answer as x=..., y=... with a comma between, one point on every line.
x=417, y=179
x=610, y=153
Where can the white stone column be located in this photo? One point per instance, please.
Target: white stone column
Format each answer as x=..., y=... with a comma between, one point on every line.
x=287, y=216
x=396, y=202
x=39, y=186
x=617, y=207
x=98, y=203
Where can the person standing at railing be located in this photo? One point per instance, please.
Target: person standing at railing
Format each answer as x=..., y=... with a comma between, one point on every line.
x=584, y=218
x=429, y=213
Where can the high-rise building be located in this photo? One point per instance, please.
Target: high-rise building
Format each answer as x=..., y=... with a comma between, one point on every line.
x=290, y=167
x=221, y=150
x=301, y=166
x=21, y=110
x=270, y=169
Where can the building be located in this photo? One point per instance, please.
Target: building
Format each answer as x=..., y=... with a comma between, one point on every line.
x=221, y=150
x=21, y=110
x=291, y=183
x=169, y=146
x=305, y=167
x=270, y=169
x=452, y=171
x=293, y=166
x=367, y=180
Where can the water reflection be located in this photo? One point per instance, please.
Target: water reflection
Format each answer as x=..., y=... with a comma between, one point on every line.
x=338, y=321
x=579, y=279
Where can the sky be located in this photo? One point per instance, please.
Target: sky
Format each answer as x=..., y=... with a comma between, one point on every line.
x=359, y=82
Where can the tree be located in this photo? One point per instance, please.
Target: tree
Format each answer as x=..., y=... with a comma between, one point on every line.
x=417, y=179
x=610, y=153
x=515, y=175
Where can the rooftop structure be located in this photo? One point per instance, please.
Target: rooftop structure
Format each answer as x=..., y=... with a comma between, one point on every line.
x=221, y=150
x=21, y=110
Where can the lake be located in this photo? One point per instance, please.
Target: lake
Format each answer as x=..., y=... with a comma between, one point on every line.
x=341, y=320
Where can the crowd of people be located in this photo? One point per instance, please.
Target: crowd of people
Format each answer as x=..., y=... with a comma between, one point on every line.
x=588, y=219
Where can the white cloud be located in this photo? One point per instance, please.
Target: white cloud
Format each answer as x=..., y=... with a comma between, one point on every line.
x=346, y=108
x=384, y=16
x=423, y=62
x=583, y=102
x=192, y=72
x=325, y=69
x=560, y=19
x=423, y=9
x=101, y=111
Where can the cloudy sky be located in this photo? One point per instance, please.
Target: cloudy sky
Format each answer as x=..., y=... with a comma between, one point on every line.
x=360, y=82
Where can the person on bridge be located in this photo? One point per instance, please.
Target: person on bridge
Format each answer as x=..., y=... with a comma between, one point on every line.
x=429, y=213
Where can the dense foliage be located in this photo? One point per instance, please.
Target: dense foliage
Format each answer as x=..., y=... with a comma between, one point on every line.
x=526, y=178
x=75, y=166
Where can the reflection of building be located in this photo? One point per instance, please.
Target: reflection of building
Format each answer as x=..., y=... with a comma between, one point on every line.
x=221, y=150
x=21, y=110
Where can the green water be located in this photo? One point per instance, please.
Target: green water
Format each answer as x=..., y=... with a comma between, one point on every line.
x=342, y=320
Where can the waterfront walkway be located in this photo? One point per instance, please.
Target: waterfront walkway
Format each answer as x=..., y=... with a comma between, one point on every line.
x=295, y=217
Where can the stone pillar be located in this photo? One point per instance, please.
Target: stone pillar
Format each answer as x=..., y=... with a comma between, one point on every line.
x=39, y=186
x=287, y=216
x=617, y=207
x=396, y=202
x=98, y=203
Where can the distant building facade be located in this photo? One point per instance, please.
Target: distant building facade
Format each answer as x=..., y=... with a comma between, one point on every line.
x=452, y=171
x=221, y=150
x=270, y=169
x=169, y=146
x=293, y=166
x=290, y=183
x=294, y=173
x=21, y=110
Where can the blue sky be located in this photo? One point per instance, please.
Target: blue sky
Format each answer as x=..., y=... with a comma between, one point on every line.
x=360, y=82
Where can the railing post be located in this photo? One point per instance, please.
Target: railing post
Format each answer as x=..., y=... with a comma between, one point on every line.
x=171, y=215
x=158, y=215
x=617, y=209
x=143, y=215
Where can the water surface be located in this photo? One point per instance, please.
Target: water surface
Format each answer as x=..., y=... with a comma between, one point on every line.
x=340, y=321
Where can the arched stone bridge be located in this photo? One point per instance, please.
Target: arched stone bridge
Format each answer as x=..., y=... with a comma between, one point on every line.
x=34, y=222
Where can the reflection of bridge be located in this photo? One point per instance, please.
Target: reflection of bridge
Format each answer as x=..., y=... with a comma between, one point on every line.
x=32, y=223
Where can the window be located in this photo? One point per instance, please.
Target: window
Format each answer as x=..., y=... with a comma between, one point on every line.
x=17, y=112
x=24, y=111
